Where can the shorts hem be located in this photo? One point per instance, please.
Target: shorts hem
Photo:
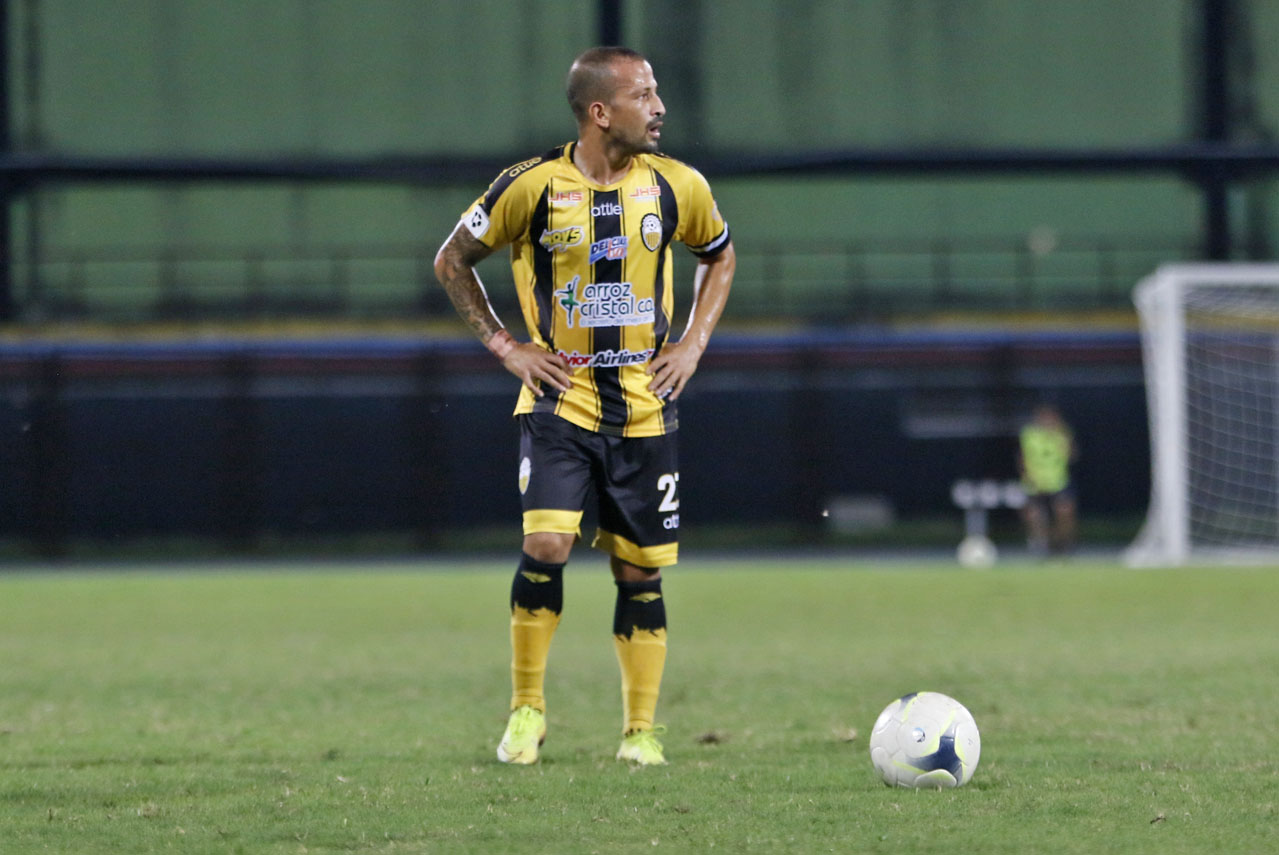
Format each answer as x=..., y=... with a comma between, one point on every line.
x=553, y=522
x=661, y=555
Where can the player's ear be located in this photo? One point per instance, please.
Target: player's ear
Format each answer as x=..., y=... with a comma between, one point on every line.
x=599, y=114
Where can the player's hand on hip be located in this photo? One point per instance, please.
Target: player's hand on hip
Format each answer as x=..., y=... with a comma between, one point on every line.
x=535, y=365
x=672, y=368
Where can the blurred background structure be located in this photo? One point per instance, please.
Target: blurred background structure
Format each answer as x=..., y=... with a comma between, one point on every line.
x=220, y=323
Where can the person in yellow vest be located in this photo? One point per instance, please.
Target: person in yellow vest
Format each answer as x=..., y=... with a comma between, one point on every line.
x=1046, y=450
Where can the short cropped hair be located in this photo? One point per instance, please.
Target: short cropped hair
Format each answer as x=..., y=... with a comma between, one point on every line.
x=590, y=78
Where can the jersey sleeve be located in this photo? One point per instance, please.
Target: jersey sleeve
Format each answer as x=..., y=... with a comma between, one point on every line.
x=501, y=215
x=702, y=229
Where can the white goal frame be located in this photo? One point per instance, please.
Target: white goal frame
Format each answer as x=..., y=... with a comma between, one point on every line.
x=1166, y=537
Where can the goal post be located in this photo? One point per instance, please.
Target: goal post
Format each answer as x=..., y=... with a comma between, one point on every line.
x=1210, y=344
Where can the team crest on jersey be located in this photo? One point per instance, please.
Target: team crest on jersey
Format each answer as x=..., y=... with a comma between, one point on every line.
x=604, y=304
x=611, y=248
x=526, y=472
x=560, y=240
x=651, y=231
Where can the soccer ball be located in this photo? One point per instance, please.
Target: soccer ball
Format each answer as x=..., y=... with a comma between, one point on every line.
x=925, y=739
x=976, y=550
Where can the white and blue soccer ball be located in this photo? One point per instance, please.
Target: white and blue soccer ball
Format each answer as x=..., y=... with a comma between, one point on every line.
x=925, y=740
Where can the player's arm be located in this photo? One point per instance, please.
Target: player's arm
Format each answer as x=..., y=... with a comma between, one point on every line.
x=455, y=268
x=672, y=368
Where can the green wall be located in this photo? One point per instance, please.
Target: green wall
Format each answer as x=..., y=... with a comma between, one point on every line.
x=247, y=77
x=254, y=77
x=215, y=78
x=895, y=72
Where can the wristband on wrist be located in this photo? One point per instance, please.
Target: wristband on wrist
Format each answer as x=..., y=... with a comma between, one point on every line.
x=501, y=343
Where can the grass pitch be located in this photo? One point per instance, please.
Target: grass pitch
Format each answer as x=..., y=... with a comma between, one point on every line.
x=341, y=708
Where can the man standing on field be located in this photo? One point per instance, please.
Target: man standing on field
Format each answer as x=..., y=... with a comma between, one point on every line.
x=590, y=225
x=1046, y=448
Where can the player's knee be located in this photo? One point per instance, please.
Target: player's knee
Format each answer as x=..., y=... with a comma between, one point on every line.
x=548, y=547
x=624, y=571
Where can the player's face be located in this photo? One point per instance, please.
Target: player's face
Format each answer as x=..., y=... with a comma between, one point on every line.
x=635, y=111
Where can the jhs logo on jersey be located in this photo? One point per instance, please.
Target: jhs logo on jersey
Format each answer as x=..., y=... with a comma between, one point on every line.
x=604, y=304
x=607, y=209
x=560, y=240
x=611, y=248
x=566, y=197
x=650, y=192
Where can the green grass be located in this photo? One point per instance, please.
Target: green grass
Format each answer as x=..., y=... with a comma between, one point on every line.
x=355, y=708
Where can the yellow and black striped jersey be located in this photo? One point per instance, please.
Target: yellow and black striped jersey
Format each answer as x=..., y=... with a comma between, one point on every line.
x=592, y=266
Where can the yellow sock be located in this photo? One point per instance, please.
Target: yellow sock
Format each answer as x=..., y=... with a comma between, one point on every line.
x=537, y=595
x=639, y=635
x=531, y=634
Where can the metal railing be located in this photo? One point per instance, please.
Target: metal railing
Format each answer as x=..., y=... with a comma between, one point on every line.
x=843, y=282
x=866, y=279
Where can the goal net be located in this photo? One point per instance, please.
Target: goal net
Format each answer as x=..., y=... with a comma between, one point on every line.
x=1210, y=339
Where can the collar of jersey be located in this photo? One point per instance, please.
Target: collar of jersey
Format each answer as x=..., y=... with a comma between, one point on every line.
x=568, y=156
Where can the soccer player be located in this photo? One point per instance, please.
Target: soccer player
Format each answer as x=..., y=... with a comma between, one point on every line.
x=590, y=225
x=1047, y=448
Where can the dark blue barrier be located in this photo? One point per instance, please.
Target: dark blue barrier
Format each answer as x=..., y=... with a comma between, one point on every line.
x=238, y=441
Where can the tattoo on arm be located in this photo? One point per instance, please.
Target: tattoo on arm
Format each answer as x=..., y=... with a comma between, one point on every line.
x=455, y=268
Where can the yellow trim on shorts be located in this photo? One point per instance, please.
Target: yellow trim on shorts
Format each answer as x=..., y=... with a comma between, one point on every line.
x=555, y=522
x=662, y=555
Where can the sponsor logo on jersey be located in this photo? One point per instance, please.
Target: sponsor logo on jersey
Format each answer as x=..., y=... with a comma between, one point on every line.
x=560, y=240
x=566, y=197
x=651, y=231
x=607, y=358
x=568, y=298
x=477, y=221
x=604, y=304
x=612, y=248
x=607, y=209
x=650, y=192
x=523, y=167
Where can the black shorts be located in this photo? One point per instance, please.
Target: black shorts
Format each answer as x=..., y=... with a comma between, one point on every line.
x=636, y=481
x=1047, y=502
